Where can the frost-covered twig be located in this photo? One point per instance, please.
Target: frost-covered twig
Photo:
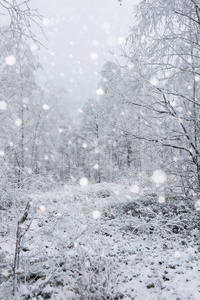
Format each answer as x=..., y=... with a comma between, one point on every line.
x=19, y=236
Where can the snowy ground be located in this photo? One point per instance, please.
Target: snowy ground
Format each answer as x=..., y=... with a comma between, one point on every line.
x=103, y=242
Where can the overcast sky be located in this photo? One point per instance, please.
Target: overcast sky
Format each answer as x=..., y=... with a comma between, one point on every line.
x=81, y=34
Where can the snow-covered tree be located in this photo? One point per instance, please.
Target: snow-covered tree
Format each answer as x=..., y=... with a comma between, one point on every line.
x=20, y=16
x=164, y=58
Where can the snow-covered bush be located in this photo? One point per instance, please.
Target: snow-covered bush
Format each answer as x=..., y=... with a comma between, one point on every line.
x=152, y=215
x=94, y=274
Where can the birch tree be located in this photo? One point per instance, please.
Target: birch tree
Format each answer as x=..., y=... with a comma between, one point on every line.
x=19, y=16
x=164, y=57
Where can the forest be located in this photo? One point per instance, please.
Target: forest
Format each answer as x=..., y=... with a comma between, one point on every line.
x=105, y=205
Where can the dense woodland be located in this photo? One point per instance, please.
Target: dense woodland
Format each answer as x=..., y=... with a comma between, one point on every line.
x=144, y=119
x=145, y=115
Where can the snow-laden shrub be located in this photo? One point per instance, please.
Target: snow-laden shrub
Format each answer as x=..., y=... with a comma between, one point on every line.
x=42, y=183
x=102, y=193
x=94, y=274
x=148, y=215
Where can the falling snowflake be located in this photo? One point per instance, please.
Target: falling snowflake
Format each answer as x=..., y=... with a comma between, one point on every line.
x=197, y=205
x=96, y=167
x=177, y=254
x=2, y=153
x=167, y=74
x=46, y=21
x=76, y=245
x=143, y=38
x=96, y=214
x=84, y=145
x=100, y=91
x=93, y=56
x=134, y=189
x=120, y=40
x=114, y=144
x=34, y=47
x=3, y=105
x=153, y=80
x=161, y=199
x=83, y=181
x=42, y=208
x=115, y=246
x=87, y=264
x=159, y=176
x=30, y=171
x=45, y=107
x=10, y=60
x=130, y=65
x=18, y=122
